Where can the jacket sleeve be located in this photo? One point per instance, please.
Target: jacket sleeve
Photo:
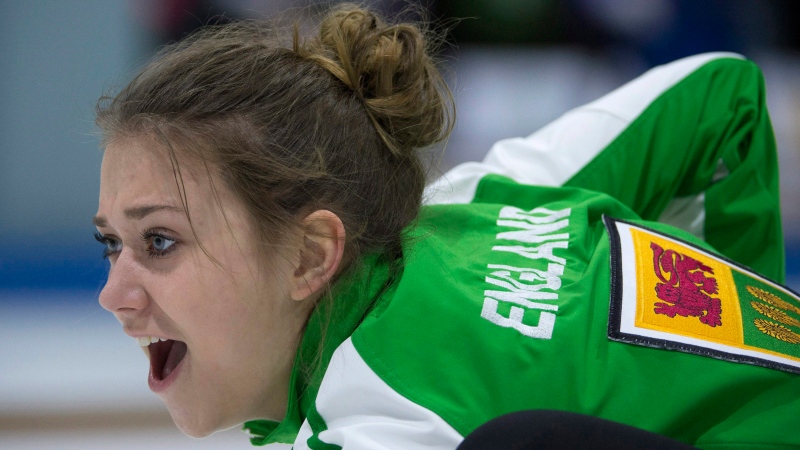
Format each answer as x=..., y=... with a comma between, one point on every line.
x=689, y=143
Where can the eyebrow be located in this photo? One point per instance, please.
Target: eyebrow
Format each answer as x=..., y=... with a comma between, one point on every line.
x=137, y=213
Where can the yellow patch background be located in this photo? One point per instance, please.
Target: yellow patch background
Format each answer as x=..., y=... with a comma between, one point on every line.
x=729, y=333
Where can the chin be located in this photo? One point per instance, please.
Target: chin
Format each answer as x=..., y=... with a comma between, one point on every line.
x=196, y=425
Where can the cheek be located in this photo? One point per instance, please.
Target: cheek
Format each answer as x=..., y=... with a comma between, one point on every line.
x=235, y=306
x=223, y=305
x=194, y=300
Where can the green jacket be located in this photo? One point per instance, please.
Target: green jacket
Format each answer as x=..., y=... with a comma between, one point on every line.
x=604, y=265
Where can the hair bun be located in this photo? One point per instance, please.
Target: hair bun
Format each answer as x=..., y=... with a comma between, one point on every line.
x=389, y=68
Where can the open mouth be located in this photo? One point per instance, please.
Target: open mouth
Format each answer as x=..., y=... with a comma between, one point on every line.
x=165, y=356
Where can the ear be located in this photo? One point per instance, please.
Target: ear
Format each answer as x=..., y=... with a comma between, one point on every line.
x=321, y=251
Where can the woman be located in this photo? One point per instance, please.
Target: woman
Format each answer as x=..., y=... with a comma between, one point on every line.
x=260, y=207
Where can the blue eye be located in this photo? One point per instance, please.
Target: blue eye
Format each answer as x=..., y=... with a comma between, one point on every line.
x=112, y=245
x=158, y=244
x=161, y=243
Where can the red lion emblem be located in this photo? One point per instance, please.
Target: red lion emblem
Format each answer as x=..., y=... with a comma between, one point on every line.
x=688, y=288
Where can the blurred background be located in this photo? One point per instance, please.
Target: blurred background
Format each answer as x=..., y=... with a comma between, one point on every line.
x=69, y=378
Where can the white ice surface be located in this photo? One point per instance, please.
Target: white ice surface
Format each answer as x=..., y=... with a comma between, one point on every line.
x=62, y=351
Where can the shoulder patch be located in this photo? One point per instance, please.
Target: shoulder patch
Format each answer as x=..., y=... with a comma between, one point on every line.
x=667, y=293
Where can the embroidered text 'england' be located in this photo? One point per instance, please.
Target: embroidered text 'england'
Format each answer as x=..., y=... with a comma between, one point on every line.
x=526, y=291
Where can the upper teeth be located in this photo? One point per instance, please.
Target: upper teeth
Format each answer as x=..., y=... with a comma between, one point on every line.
x=144, y=341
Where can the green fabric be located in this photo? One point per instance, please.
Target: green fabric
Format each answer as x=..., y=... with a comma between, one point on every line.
x=318, y=425
x=752, y=335
x=772, y=413
x=443, y=284
x=427, y=339
x=673, y=150
x=431, y=345
x=354, y=293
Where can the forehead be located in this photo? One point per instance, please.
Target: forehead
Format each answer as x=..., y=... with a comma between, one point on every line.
x=138, y=171
x=132, y=162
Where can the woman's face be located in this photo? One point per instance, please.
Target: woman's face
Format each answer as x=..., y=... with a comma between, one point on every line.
x=228, y=330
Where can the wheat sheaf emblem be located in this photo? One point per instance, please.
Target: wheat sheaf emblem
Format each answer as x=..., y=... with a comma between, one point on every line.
x=777, y=309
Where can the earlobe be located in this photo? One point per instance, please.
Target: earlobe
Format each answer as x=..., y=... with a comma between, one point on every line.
x=321, y=253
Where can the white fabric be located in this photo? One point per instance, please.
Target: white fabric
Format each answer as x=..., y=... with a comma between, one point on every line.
x=552, y=155
x=278, y=446
x=362, y=412
x=687, y=213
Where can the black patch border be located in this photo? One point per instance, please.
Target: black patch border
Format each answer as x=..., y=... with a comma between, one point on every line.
x=615, y=306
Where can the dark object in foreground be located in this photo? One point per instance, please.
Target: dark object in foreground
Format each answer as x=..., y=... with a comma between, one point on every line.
x=544, y=430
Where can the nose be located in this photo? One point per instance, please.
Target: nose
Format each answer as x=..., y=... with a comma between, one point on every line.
x=124, y=292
